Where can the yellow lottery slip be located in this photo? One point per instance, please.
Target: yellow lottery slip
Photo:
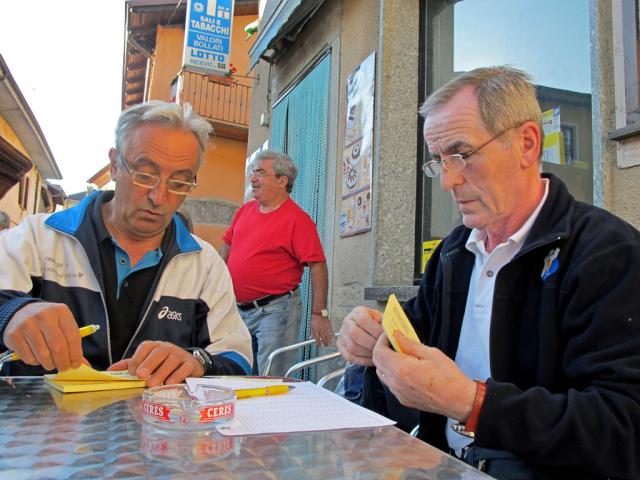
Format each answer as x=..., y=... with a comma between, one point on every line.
x=395, y=319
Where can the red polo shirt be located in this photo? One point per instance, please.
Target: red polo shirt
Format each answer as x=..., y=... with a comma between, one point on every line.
x=269, y=250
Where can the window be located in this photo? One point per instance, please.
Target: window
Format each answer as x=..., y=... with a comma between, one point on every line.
x=23, y=192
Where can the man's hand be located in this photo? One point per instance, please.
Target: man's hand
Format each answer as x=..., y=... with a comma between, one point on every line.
x=160, y=363
x=321, y=330
x=358, y=335
x=46, y=334
x=424, y=378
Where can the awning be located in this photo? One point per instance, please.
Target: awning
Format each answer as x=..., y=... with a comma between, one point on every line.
x=15, y=110
x=281, y=23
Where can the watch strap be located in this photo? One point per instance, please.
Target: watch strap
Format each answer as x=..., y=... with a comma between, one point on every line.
x=469, y=428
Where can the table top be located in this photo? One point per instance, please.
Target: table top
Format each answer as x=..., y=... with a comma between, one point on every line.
x=45, y=434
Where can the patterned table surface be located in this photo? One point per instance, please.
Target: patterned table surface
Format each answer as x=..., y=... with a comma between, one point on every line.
x=44, y=434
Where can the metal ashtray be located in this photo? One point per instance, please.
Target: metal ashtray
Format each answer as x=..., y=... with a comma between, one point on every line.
x=176, y=407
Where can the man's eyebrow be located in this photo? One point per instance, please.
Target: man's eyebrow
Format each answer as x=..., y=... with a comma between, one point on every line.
x=456, y=146
x=145, y=161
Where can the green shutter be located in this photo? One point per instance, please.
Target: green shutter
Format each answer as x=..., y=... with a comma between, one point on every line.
x=299, y=128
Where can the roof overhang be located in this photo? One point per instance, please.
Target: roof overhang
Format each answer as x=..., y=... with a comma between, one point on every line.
x=16, y=112
x=280, y=24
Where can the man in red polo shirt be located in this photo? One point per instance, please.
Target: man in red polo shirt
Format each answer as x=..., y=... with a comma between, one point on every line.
x=266, y=247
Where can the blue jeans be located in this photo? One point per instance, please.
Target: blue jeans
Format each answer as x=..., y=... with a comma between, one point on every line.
x=273, y=326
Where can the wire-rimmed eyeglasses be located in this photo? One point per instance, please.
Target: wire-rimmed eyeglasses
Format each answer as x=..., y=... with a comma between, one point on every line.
x=456, y=161
x=260, y=172
x=149, y=181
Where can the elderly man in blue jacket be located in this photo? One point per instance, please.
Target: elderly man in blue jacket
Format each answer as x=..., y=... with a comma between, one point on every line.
x=124, y=261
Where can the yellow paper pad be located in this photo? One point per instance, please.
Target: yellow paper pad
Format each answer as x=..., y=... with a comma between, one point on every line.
x=86, y=379
x=395, y=319
x=83, y=403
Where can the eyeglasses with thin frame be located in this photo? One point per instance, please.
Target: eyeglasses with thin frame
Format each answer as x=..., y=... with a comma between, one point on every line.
x=456, y=161
x=259, y=172
x=149, y=181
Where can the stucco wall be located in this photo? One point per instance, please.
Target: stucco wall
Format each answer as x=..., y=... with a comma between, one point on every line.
x=395, y=232
x=615, y=188
x=167, y=62
x=352, y=30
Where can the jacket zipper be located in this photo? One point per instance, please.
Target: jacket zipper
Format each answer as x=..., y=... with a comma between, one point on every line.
x=155, y=289
x=104, y=304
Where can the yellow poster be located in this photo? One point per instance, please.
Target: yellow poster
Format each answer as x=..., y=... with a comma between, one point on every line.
x=427, y=250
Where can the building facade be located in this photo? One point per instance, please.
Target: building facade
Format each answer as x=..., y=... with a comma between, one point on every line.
x=339, y=84
x=26, y=162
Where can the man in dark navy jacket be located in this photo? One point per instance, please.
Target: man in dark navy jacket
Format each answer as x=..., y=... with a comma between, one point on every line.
x=162, y=297
x=529, y=365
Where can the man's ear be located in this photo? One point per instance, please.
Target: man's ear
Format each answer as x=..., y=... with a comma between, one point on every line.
x=113, y=163
x=530, y=144
x=284, y=181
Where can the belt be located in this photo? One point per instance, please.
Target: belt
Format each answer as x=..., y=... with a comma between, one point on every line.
x=261, y=302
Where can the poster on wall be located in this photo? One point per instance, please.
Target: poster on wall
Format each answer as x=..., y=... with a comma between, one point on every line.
x=207, y=38
x=357, y=156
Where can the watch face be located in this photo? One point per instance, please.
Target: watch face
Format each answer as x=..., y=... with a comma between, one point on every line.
x=324, y=313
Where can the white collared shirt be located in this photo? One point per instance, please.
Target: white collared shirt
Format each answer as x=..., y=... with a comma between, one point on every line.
x=472, y=356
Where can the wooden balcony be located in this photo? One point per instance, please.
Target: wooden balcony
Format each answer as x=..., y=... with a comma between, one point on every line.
x=224, y=101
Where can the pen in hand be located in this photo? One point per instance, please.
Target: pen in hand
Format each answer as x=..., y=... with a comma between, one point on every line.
x=10, y=356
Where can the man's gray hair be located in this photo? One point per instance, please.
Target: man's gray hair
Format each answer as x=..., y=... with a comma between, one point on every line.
x=506, y=97
x=5, y=220
x=164, y=114
x=283, y=166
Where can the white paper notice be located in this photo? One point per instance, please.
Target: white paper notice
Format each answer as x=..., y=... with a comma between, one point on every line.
x=306, y=408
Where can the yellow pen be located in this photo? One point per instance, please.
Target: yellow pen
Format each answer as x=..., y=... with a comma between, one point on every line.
x=262, y=392
x=84, y=332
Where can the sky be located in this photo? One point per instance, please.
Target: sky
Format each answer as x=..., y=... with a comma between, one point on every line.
x=66, y=57
x=559, y=31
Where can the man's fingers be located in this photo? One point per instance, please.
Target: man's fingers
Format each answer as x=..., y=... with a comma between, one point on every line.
x=408, y=346
x=383, y=355
x=368, y=320
x=183, y=371
x=38, y=345
x=354, y=353
x=164, y=369
x=118, y=366
x=46, y=334
x=322, y=331
x=74, y=342
x=140, y=356
x=26, y=354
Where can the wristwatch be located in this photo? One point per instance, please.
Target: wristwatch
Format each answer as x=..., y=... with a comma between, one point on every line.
x=324, y=313
x=203, y=357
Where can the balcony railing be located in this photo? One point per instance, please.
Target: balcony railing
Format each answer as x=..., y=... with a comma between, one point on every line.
x=219, y=99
